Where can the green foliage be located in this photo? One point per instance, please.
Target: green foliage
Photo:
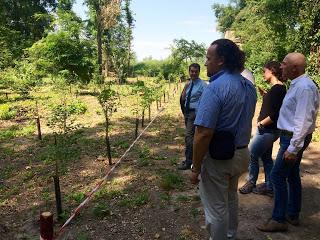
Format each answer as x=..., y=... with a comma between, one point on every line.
x=101, y=210
x=77, y=197
x=22, y=23
x=108, y=99
x=6, y=112
x=263, y=36
x=62, y=118
x=61, y=51
x=136, y=200
x=16, y=131
x=170, y=180
x=22, y=78
x=63, y=152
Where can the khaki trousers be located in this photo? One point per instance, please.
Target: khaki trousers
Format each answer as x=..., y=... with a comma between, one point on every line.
x=219, y=195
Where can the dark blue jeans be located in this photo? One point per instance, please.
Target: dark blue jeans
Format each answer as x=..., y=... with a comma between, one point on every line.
x=287, y=183
x=189, y=120
x=261, y=147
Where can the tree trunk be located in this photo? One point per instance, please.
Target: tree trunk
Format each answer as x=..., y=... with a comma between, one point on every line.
x=137, y=126
x=39, y=128
x=149, y=109
x=107, y=138
x=99, y=40
x=142, y=119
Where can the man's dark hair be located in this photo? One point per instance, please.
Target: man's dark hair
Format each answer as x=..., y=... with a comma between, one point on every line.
x=232, y=55
x=195, y=65
x=274, y=67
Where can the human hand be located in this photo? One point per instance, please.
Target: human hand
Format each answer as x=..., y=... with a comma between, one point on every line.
x=289, y=158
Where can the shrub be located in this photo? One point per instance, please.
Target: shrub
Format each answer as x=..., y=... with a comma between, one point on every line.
x=6, y=112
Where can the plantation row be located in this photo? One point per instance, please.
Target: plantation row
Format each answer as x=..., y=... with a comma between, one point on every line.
x=56, y=131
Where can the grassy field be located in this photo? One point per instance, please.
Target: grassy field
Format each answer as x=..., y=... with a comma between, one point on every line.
x=147, y=198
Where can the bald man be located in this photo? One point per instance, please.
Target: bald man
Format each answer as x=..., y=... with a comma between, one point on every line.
x=297, y=121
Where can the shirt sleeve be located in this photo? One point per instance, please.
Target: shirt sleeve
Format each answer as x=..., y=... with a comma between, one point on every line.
x=302, y=119
x=209, y=109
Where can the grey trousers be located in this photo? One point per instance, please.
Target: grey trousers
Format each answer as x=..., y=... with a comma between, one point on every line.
x=189, y=120
x=218, y=192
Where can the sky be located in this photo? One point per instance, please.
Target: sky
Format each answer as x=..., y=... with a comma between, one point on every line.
x=159, y=22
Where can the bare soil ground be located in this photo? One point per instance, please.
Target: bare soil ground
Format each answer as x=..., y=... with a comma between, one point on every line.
x=146, y=198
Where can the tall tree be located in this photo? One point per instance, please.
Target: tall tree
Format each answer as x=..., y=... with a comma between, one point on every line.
x=104, y=16
x=22, y=22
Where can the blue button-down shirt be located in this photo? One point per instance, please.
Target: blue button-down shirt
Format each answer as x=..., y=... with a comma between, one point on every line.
x=228, y=104
x=198, y=87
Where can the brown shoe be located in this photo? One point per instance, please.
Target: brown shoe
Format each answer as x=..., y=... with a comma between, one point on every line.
x=293, y=221
x=263, y=190
x=273, y=226
x=247, y=188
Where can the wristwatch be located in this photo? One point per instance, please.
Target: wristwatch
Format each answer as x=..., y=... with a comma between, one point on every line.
x=260, y=125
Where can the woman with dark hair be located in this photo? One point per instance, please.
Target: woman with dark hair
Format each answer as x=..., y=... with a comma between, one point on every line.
x=267, y=132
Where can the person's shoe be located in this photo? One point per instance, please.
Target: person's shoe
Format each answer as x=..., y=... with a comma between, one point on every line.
x=184, y=166
x=262, y=190
x=247, y=188
x=273, y=226
x=293, y=221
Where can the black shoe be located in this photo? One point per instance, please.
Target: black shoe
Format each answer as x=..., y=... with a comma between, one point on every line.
x=184, y=166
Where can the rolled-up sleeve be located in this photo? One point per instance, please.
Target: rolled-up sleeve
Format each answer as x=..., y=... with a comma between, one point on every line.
x=208, y=109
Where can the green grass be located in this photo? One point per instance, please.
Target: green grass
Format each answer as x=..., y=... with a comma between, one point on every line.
x=174, y=161
x=135, y=200
x=195, y=212
x=17, y=131
x=82, y=236
x=107, y=193
x=62, y=152
x=100, y=210
x=6, y=112
x=7, y=171
x=27, y=175
x=77, y=197
x=122, y=144
x=171, y=180
x=144, y=157
x=183, y=198
x=166, y=197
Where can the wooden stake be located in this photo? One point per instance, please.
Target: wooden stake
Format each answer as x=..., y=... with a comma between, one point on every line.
x=46, y=226
x=58, y=195
x=39, y=128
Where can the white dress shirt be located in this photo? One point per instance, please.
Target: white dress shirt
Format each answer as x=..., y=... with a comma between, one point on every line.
x=299, y=110
x=248, y=75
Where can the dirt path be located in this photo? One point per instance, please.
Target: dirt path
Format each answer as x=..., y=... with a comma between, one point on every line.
x=148, y=198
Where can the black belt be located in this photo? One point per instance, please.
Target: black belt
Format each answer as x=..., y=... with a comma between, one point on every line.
x=241, y=147
x=286, y=133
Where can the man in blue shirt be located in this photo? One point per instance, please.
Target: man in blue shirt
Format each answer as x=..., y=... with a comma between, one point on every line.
x=227, y=106
x=190, y=99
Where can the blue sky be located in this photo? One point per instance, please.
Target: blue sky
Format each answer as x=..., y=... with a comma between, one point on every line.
x=158, y=22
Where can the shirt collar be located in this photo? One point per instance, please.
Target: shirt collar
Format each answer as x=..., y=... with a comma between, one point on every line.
x=214, y=77
x=298, y=78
